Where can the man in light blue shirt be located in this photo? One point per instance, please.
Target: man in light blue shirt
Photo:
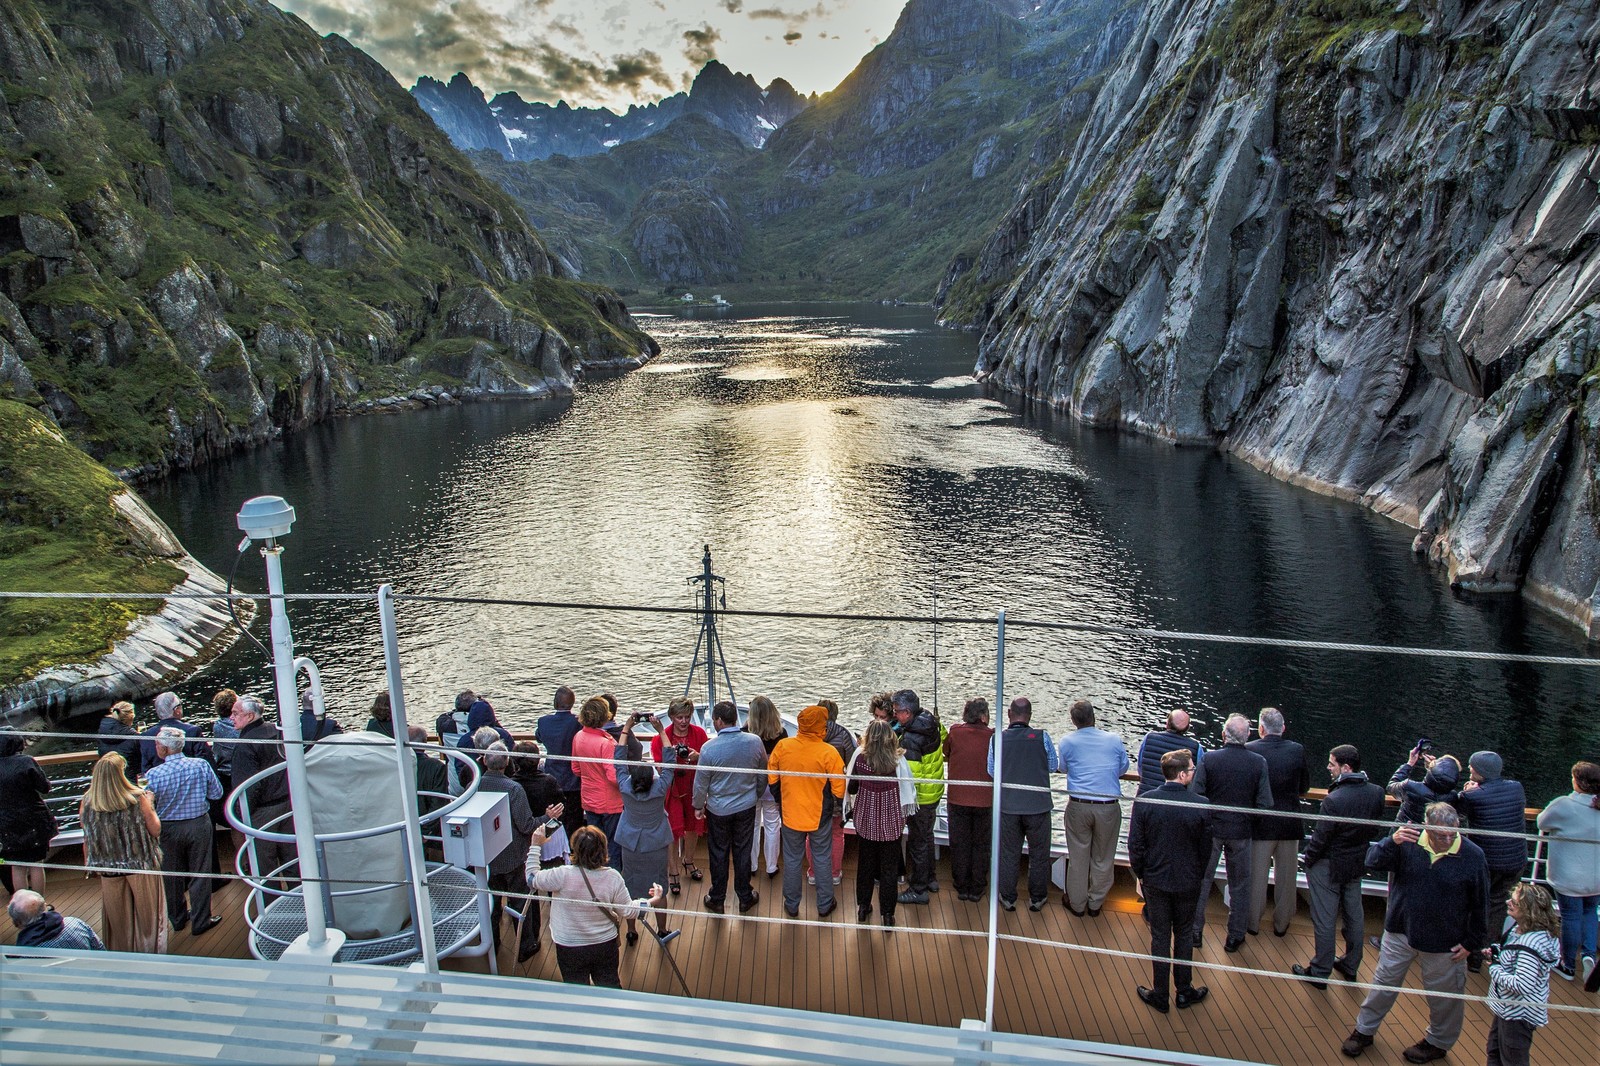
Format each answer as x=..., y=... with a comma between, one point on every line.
x=726, y=799
x=1094, y=762
x=183, y=789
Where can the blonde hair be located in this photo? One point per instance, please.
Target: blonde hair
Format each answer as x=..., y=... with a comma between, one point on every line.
x=763, y=719
x=109, y=787
x=1537, y=910
x=880, y=747
x=122, y=710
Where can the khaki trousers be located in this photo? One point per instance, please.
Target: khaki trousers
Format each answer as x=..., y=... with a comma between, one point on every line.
x=133, y=914
x=1285, y=855
x=1091, y=851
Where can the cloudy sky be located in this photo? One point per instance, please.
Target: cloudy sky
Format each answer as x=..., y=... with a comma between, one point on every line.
x=611, y=52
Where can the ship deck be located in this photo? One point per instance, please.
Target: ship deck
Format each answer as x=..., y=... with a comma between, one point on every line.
x=1057, y=990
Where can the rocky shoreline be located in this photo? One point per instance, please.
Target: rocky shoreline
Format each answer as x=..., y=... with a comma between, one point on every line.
x=157, y=649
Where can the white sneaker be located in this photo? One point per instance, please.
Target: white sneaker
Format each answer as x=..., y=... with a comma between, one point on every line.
x=811, y=879
x=837, y=879
x=1587, y=966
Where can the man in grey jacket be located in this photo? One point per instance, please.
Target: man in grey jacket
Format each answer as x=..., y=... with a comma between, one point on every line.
x=725, y=794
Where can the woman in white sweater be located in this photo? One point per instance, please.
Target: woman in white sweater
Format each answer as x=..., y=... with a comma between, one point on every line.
x=590, y=902
x=1574, y=867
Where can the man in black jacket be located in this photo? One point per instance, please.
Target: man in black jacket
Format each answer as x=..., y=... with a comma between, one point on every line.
x=1232, y=776
x=1335, y=858
x=1169, y=841
x=1490, y=801
x=268, y=799
x=1438, y=916
x=1276, y=841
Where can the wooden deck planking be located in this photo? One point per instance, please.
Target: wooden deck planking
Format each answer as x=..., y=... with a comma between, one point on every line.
x=863, y=970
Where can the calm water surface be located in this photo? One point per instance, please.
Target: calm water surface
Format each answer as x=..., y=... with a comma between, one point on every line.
x=840, y=459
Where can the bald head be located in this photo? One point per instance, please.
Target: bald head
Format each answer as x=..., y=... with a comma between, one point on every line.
x=25, y=908
x=1178, y=721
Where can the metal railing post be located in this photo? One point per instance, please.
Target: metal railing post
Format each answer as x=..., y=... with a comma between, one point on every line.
x=994, y=818
x=406, y=765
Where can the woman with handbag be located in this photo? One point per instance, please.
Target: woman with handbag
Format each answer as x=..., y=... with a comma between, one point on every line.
x=121, y=842
x=590, y=901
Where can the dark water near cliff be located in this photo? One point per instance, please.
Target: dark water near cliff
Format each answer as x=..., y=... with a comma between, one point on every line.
x=837, y=459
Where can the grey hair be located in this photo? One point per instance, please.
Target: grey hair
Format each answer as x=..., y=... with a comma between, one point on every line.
x=250, y=705
x=1272, y=721
x=170, y=740
x=496, y=760
x=416, y=734
x=1236, y=730
x=167, y=704
x=485, y=736
x=25, y=908
x=1442, y=814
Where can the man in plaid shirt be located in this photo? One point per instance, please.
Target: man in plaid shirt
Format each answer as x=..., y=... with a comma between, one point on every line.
x=183, y=789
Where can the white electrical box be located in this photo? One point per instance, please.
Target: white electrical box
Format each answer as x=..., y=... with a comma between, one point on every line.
x=478, y=830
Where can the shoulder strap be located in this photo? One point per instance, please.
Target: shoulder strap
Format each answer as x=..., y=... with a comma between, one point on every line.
x=615, y=921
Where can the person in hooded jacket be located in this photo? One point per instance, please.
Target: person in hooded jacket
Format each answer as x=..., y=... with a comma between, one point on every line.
x=1441, y=774
x=39, y=925
x=808, y=804
x=480, y=716
x=922, y=744
x=1519, y=975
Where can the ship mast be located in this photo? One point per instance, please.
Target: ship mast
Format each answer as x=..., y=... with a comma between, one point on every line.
x=709, y=599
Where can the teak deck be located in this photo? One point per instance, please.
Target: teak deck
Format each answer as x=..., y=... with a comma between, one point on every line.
x=865, y=970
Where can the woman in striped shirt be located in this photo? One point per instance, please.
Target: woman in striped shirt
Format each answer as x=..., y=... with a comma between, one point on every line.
x=1519, y=975
x=875, y=780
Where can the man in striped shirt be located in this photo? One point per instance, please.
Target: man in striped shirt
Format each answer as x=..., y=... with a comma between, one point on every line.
x=183, y=789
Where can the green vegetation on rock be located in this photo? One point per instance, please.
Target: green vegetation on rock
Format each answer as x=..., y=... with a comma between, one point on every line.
x=60, y=532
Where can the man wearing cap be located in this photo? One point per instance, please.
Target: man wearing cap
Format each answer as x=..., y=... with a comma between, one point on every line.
x=922, y=743
x=1490, y=801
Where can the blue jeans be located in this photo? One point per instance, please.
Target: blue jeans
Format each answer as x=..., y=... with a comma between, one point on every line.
x=1580, y=917
x=607, y=824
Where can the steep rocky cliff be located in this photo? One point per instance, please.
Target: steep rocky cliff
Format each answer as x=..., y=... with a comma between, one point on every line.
x=517, y=129
x=215, y=225
x=1354, y=242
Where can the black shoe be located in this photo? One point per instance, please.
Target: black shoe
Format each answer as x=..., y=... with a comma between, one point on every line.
x=1076, y=912
x=933, y=886
x=888, y=921
x=716, y=907
x=771, y=874
x=1317, y=979
x=1355, y=1044
x=665, y=938
x=823, y=912
x=863, y=913
x=755, y=897
x=1188, y=997
x=1036, y=905
x=206, y=926
x=1422, y=1051
x=1347, y=972
x=1094, y=912
x=632, y=938
x=1198, y=942
x=1474, y=963
x=1152, y=998
x=1008, y=904
x=1233, y=944
x=1280, y=933
x=793, y=912
x=527, y=950
x=908, y=896
x=179, y=922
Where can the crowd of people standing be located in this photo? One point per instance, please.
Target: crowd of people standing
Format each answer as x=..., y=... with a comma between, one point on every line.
x=609, y=837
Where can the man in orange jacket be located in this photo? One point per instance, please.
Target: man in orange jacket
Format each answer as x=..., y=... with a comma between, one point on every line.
x=807, y=805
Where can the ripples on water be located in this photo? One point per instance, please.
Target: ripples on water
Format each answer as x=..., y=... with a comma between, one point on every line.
x=842, y=459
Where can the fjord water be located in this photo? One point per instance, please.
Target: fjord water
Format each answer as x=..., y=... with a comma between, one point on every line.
x=840, y=459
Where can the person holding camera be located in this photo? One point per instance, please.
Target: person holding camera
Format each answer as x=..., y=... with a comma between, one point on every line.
x=1519, y=975
x=686, y=740
x=1438, y=785
x=590, y=900
x=643, y=832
